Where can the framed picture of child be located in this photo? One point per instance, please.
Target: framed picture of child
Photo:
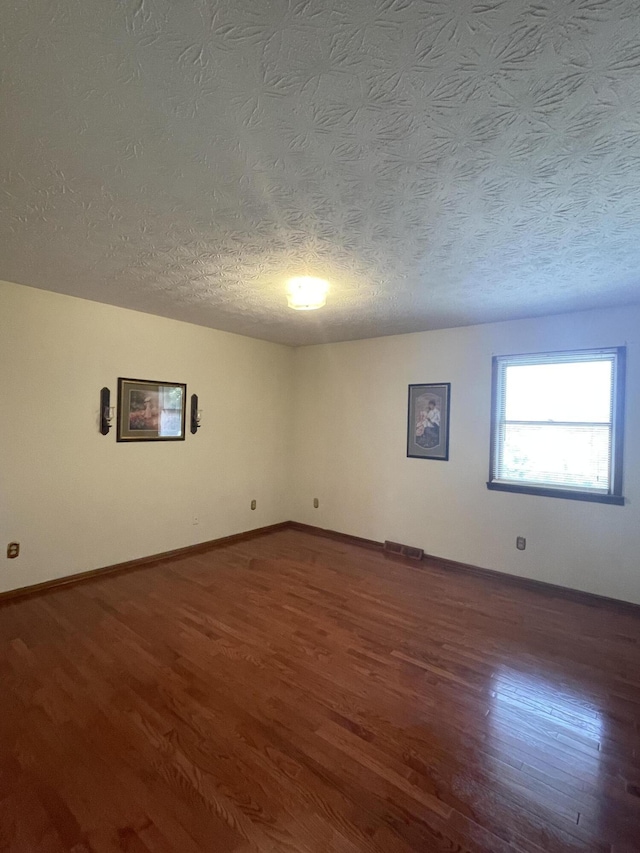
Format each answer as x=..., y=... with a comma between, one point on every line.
x=428, y=421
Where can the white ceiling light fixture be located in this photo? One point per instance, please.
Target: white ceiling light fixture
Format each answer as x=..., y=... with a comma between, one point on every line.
x=304, y=292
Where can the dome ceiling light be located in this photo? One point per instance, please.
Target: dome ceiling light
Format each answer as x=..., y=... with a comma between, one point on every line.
x=304, y=293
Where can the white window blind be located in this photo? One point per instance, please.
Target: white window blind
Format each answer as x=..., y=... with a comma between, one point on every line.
x=554, y=421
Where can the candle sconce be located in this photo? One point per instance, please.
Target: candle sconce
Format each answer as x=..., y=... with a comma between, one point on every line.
x=196, y=414
x=107, y=411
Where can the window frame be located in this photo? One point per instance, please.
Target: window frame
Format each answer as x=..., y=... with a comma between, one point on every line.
x=614, y=495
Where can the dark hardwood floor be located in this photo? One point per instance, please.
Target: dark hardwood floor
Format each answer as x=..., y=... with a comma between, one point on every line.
x=292, y=693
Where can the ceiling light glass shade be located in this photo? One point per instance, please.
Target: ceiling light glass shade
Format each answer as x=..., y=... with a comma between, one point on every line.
x=305, y=293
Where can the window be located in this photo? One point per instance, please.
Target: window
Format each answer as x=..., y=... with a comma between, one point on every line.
x=557, y=422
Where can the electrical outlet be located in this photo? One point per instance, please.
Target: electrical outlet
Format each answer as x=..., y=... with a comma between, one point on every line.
x=521, y=543
x=13, y=549
x=316, y=503
x=253, y=504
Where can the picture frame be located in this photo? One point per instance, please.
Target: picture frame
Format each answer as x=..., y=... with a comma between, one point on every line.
x=151, y=411
x=428, y=421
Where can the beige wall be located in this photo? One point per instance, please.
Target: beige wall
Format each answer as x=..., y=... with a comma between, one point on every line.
x=77, y=500
x=350, y=452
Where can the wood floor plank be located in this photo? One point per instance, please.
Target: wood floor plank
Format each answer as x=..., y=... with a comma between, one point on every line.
x=297, y=694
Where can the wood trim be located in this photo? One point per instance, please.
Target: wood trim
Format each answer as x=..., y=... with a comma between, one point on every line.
x=553, y=590
x=371, y=544
x=579, y=596
x=139, y=563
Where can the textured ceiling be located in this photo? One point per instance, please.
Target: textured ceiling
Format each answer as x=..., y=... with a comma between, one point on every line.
x=442, y=162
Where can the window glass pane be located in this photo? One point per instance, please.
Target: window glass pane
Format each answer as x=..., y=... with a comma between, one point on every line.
x=570, y=456
x=170, y=411
x=574, y=391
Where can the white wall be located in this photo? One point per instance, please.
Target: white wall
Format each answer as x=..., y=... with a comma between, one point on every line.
x=77, y=500
x=350, y=452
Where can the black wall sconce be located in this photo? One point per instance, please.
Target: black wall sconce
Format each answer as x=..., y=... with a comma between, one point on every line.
x=196, y=414
x=106, y=411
